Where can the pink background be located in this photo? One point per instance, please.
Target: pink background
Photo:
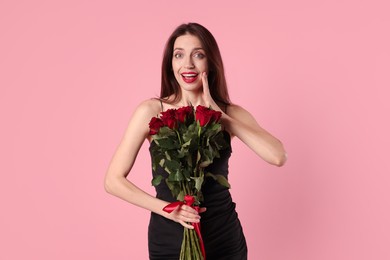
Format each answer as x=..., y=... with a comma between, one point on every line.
x=314, y=73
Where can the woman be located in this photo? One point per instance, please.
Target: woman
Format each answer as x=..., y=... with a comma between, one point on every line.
x=192, y=73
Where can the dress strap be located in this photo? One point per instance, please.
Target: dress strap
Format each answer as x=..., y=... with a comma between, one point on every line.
x=162, y=107
x=225, y=111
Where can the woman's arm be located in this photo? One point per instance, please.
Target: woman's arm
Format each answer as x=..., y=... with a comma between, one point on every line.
x=242, y=124
x=239, y=122
x=116, y=182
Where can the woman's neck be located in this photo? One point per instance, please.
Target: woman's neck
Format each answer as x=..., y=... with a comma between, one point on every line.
x=191, y=98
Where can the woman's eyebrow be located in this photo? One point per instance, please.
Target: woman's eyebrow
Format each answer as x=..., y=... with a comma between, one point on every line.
x=194, y=49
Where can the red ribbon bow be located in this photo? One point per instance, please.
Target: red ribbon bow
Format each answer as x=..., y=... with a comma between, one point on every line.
x=188, y=200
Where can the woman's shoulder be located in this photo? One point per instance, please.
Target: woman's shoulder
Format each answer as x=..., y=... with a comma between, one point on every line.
x=149, y=107
x=152, y=103
x=238, y=112
x=233, y=109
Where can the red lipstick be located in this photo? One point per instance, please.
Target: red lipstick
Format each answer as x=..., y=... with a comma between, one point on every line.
x=189, y=76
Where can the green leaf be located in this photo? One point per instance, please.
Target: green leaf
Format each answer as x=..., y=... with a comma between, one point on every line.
x=170, y=185
x=167, y=156
x=161, y=162
x=205, y=163
x=198, y=157
x=220, y=179
x=180, y=196
x=198, y=182
x=174, y=187
x=176, y=176
x=186, y=144
x=187, y=174
x=167, y=143
x=172, y=166
x=157, y=180
x=166, y=131
x=189, y=160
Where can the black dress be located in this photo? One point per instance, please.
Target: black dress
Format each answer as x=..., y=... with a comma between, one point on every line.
x=221, y=229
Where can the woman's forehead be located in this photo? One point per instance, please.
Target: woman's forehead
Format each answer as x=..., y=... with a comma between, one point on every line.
x=187, y=41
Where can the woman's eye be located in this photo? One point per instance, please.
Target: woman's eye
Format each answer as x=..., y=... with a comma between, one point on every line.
x=178, y=55
x=199, y=55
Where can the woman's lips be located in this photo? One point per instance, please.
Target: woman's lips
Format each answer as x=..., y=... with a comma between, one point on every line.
x=189, y=77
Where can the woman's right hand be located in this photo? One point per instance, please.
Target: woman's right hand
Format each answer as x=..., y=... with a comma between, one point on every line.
x=185, y=215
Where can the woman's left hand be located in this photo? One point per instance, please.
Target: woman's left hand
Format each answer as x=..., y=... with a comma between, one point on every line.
x=208, y=100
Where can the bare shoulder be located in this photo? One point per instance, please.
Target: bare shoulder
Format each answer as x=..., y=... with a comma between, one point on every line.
x=237, y=112
x=148, y=108
x=242, y=115
x=139, y=121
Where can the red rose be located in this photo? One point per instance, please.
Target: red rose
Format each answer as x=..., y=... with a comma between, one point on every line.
x=169, y=118
x=154, y=125
x=202, y=115
x=184, y=114
x=215, y=116
x=206, y=115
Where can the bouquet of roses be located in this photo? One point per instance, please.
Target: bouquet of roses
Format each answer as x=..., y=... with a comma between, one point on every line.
x=187, y=141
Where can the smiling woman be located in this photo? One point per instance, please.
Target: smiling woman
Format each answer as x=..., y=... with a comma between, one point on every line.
x=192, y=74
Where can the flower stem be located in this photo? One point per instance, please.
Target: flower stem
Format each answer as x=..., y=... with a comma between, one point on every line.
x=184, y=187
x=178, y=137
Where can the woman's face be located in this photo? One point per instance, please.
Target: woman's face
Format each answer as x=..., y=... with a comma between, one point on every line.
x=189, y=61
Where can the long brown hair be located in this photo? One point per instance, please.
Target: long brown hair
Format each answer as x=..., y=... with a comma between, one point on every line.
x=216, y=75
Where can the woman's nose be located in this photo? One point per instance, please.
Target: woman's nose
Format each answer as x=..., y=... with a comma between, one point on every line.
x=189, y=63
